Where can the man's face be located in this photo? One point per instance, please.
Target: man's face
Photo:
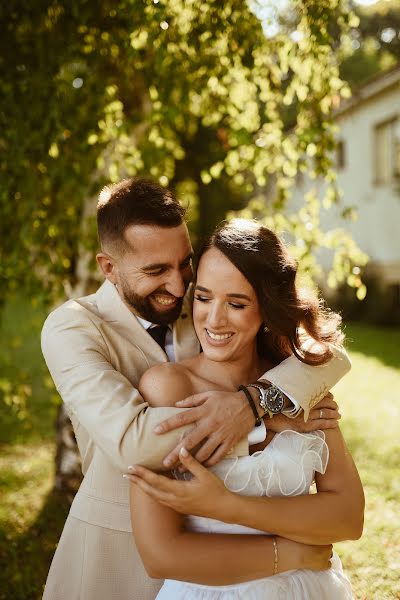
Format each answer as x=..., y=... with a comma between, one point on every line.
x=152, y=276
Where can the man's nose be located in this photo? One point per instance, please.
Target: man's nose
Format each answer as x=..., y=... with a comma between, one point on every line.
x=176, y=285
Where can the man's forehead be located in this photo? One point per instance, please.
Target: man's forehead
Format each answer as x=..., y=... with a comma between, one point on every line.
x=152, y=243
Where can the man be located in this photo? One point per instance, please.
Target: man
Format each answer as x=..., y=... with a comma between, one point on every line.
x=98, y=347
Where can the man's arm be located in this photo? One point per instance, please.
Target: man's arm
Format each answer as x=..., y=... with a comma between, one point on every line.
x=103, y=401
x=305, y=384
x=226, y=417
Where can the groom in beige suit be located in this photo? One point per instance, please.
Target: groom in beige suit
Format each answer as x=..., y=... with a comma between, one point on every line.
x=98, y=347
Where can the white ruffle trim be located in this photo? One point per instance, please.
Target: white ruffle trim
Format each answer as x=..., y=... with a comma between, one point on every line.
x=286, y=467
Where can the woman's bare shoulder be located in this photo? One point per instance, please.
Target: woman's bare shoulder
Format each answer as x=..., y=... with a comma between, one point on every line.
x=165, y=384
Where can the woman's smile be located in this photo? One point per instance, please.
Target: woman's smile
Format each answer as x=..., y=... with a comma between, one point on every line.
x=219, y=339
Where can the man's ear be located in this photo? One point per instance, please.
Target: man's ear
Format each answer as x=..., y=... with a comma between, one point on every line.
x=107, y=265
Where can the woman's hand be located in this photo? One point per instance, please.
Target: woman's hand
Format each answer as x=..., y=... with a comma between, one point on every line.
x=324, y=415
x=293, y=555
x=205, y=495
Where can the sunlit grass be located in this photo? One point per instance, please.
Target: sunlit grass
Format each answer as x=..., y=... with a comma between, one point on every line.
x=32, y=516
x=370, y=404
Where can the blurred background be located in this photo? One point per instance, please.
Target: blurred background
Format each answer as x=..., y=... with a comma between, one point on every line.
x=284, y=111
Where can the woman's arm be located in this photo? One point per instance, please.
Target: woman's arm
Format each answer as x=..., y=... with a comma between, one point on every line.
x=168, y=551
x=334, y=514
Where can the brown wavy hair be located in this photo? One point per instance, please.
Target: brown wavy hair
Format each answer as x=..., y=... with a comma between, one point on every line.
x=292, y=316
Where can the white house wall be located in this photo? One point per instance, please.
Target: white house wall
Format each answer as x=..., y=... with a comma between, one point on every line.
x=377, y=230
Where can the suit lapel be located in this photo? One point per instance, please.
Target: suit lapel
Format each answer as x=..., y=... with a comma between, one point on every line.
x=114, y=311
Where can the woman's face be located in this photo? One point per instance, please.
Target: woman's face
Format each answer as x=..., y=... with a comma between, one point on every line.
x=226, y=312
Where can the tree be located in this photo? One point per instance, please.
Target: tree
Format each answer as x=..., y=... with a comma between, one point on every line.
x=374, y=45
x=192, y=93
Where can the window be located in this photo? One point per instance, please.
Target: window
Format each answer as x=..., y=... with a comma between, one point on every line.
x=387, y=151
x=340, y=154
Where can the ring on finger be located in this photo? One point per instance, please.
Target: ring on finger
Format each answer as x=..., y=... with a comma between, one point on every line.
x=321, y=413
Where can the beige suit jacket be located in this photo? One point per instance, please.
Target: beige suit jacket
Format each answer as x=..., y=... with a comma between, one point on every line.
x=96, y=351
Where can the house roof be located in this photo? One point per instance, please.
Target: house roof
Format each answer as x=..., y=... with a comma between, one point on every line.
x=374, y=86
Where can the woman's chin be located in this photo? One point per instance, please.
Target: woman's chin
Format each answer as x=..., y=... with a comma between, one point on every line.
x=216, y=352
x=216, y=356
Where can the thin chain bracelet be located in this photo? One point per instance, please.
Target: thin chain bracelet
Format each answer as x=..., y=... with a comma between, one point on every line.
x=275, y=543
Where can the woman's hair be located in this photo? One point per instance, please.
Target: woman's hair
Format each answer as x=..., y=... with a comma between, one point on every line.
x=288, y=312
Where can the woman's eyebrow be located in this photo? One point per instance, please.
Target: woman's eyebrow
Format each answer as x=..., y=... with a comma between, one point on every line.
x=243, y=296
x=239, y=296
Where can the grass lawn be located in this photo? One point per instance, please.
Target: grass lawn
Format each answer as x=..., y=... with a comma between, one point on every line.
x=32, y=515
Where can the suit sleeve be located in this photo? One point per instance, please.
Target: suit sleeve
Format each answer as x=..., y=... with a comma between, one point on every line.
x=104, y=402
x=309, y=384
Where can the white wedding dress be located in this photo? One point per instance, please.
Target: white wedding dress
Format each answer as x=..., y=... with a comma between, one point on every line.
x=285, y=467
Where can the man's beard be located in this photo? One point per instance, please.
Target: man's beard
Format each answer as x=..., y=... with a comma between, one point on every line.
x=143, y=307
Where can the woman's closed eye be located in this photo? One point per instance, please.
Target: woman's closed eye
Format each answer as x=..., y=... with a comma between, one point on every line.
x=201, y=298
x=235, y=305
x=238, y=306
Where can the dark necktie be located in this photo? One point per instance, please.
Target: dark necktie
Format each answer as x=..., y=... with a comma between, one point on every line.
x=158, y=334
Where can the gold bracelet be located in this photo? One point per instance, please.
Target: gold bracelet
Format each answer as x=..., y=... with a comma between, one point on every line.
x=275, y=543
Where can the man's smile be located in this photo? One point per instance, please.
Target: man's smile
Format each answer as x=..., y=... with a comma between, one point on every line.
x=164, y=299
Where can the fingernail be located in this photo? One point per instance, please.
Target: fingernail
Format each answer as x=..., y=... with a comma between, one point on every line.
x=167, y=462
x=183, y=451
x=125, y=476
x=157, y=429
x=132, y=469
x=179, y=402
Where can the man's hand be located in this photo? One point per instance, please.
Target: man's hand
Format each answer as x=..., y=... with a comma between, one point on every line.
x=204, y=495
x=324, y=415
x=221, y=420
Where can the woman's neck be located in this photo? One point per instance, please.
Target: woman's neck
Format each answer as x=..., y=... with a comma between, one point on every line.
x=231, y=374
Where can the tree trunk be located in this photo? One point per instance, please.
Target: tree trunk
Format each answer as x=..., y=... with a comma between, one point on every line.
x=68, y=463
x=68, y=471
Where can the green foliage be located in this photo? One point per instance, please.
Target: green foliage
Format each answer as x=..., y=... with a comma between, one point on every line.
x=374, y=45
x=192, y=93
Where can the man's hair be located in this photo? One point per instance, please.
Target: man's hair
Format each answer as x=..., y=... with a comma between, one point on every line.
x=135, y=201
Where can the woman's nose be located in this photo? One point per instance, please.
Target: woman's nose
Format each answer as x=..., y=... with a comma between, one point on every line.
x=217, y=315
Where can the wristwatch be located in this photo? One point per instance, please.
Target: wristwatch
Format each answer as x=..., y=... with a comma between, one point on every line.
x=271, y=399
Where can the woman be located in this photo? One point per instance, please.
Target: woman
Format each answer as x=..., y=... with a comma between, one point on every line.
x=249, y=316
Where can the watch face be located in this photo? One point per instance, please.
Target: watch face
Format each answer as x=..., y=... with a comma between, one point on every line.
x=274, y=399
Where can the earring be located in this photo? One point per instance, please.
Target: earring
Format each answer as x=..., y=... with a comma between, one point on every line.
x=265, y=329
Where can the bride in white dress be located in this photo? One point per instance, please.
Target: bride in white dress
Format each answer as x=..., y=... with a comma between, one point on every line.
x=248, y=314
